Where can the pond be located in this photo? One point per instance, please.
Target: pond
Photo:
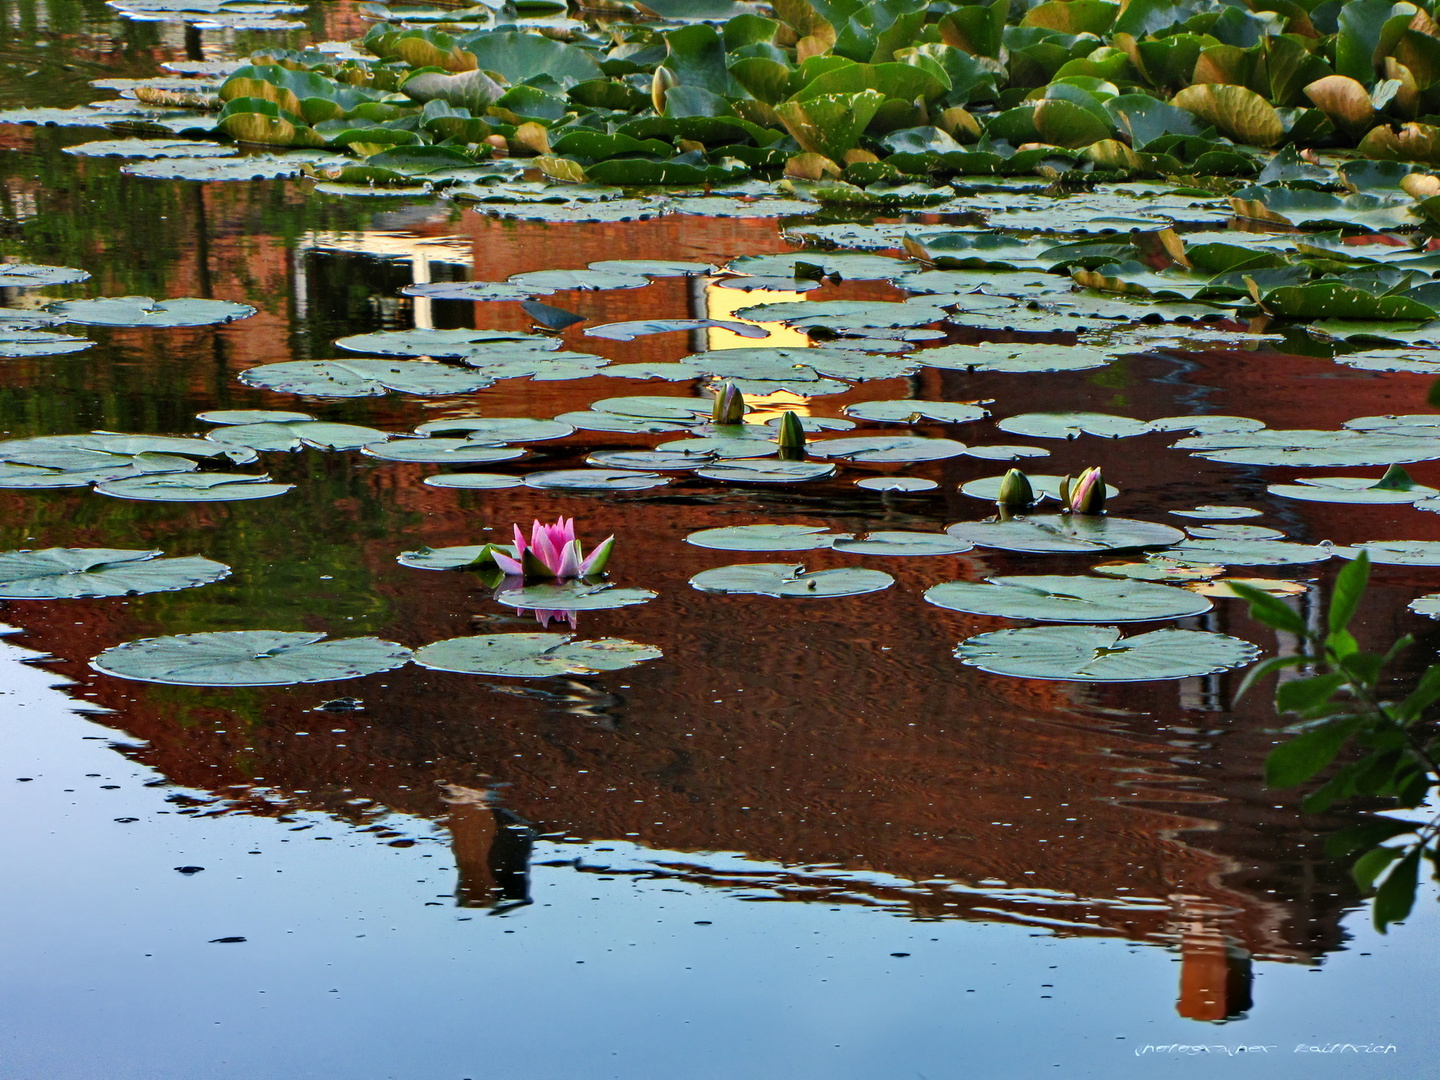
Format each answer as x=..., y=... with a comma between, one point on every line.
x=832, y=769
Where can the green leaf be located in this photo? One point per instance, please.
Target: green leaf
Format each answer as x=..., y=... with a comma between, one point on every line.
x=1425, y=694
x=1396, y=895
x=1349, y=587
x=1299, y=759
x=1260, y=671
x=830, y=124
x=1302, y=695
x=1270, y=610
x=1361, y=837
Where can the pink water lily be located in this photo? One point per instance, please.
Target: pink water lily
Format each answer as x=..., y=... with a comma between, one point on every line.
x=553, y=552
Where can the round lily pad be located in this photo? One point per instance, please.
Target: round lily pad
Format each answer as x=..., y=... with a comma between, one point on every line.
x=151, y=149
x=365, y=378
x=533, y=656
x=144, y=311
x=1357, y=490
x=1042, y=484
x=293, y=436
x=193, y=487
x=63, y=573
x=498, y=428
x=902, y=543
x=765, y=538
x=474, y=481
x=766, y=471
x=249, y=658
x=1072, y=599
x=647, y=460
x=653, y=268
x=564, y=280
x=572, y=596
x=1100, y=654
x=1066, y=533
x=594, y=480
x=1428, y=605
x=425, y=342
x=1233, y=532
x=896, y=483
x=1396, y=552
x=463, y=557
x=21, y=343
x=886, y=448
x=783, y=580
x=1013, y=357
x=1311, y=449
x=912, y=412
x=253, y=416
x=1062, y=425
x=1159, y=568
x=1251, y=552
x=16, y=275
x=441, y=451
x=1219, y=513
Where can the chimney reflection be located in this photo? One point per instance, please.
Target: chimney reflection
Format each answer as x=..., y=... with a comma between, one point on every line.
x=1216, y=979
x=492, y=849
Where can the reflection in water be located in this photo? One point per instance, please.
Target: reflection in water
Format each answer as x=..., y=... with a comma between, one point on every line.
x=492, y=849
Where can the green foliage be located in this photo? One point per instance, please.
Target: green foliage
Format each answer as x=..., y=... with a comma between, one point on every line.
x=1393, y=746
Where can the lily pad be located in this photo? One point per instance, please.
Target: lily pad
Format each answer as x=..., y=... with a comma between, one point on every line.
x=292, y=436
x=1396, y=552
x=144, y=311
x=594, y=480
x=20, y=343
x=902, y=543
x=533, y=656
x=766, y=471
x=896, y=483
x=846, y=314
x=629, y=331
x=448, y=343
x=1233, y=532
x=654, y=268
x=151, y=148
x=498, y=428
x=912, y=412
x=15, y=275
x=1352, y=489
x=1066, y=533
x=213, y=170
x=1311, y=449
x=442, y=451
x=1042, y=484
x=193, y=487
x=782, y=580
x=462, y=557
x=253, y=416
x=1073, y=599
x=766, y=538
x=365, y=378
x=1219, y=513
x=887, y=448
x=1428, y=605
x=64, y=573
x=249, y=658
x=1251, y=552
x=1160, y=568
x=474, y=481
x=647, y=460
x=566, y=280
x=1099, y=653
x=1013, y=357
x=571, y=596
x=1062, y=425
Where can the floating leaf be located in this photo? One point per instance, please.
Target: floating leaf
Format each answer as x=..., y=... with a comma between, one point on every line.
x=295, y=434
x=1099, y=654
x=574, y=595
x=143, y=311
x=765, y=538
x=65, y=573
x=566, y=280
x=647, y=460
x=1352, y=489
x=1078, y=533
x=442, y=451
x=911, y=411
x=19, y=343
x=1233, y=532
x=498, y=428
x=896, y=483
x=887, y=448
x=249, y=658
x=474, y=481
x=253, y=416
x=1062, y=425
x=1311, y=449
x=1396, y=552
x=1043, y=484
x=1013, y=357
x=746, y=471
x=151, y=148
x=462, y=557
x=1160, y=568
x=1428, y=605
x=533, y=656
x=1219, y=513
x=629, y=331
x=1073, y=599
x=594, y=480
x=365, y=378
x=15, y=275
x=781, y=580
x=453, y=343
x=1250, y=552
x=902, y=543
x=193, y=487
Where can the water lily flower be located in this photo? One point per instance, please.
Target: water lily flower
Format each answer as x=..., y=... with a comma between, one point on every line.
x=553, y=552
x=661, y=83
x=729, y=405
x=1015, y=490
x=791, y=438
x=1087, y=494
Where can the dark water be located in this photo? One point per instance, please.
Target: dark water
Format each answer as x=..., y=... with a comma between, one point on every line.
x=806, y=843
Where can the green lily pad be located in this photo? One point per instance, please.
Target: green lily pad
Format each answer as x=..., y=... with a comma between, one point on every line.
x=249, y=658
x=902, y=543
x=1160, y=568
x=22, y=343
x=461, y=557
x=647, y=460
x=765, y=538
x=1396, y=552
x=1250, y=552
x=628, y=425
x=886, y=448
x=896, y=483
x=782, y=580
x=1311, y=449
x=1061, y=425
x=1099, y=654
x=846, y=314
x=253, y=416
x=653, y=268
x=594, y=480
x=293, y=435
x=574, y=595
x=1352, y=489
x=766, y=471
x=1233, y=532
x=1042, y=484
x=1072, y=599
x=846, y=264
x=144, y=311
x=1428, y=605
x=567, y=280
x=754, y=443
x=1066, y=533
x=1219, y=513
x=441, y=451
x=629, y=331
x=65, y=573
x=474, y=481
x=1013, y=357
x=15, y=275
x=533, y=656
x=151, y=148
x=213, y=170
x=365, y=378
x=510, y=429
x=193, y=487
x=911, y=411
x=687, y=410
x=442, y=343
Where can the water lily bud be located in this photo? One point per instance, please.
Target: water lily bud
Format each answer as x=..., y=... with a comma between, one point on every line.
x=792, y=437
x=1088, y=494
x=662, y=81
x=729, y=407
x=1015, y=490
